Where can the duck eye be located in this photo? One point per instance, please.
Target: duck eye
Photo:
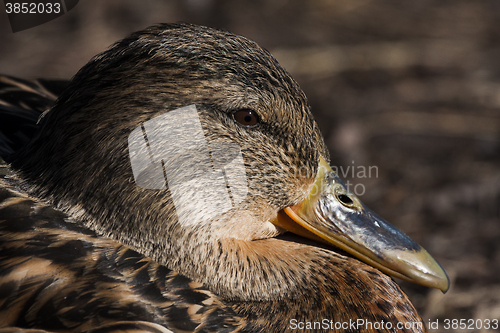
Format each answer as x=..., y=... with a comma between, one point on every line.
x=345, y=200
x=246, y=117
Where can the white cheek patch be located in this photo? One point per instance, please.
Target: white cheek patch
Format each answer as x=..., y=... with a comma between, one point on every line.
x=205, y=178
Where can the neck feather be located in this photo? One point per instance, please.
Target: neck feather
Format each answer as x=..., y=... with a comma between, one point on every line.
x=307, y=282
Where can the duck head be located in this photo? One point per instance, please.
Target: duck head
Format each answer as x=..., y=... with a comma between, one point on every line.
x=195, y=148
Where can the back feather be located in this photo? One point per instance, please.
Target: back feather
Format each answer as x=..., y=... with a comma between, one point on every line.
x=21, y=104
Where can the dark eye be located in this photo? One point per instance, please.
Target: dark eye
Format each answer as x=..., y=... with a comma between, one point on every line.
x=246, y=117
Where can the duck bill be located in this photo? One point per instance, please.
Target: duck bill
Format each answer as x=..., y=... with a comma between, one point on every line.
x=332, y=215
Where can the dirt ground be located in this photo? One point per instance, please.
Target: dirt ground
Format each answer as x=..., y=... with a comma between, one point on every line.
x=409, y=90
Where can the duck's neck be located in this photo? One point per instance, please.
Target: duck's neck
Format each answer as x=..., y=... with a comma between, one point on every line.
x=260, y=270
x=304, y=282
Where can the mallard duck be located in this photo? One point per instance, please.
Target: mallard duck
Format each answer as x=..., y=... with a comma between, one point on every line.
x=112, y=217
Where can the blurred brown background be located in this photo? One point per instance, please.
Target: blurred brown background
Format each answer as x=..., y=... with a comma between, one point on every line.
x=409, y=87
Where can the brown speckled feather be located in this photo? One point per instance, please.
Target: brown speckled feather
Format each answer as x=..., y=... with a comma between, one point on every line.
x=58, y=276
